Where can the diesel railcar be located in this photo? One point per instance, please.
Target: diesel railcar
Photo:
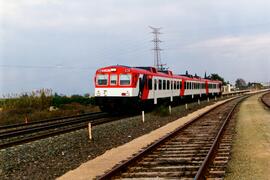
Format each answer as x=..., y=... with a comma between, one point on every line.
x=123, y=88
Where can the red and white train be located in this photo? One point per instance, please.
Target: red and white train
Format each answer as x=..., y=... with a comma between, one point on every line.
x=120, y=87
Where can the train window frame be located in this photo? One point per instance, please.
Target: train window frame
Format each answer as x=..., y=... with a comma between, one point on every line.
x=115, y=80
x=97, y=79
x=121, y=80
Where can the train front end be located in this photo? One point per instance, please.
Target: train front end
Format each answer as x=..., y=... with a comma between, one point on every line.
x=115, y=88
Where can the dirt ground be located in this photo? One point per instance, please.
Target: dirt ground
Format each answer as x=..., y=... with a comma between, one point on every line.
x=251, y=148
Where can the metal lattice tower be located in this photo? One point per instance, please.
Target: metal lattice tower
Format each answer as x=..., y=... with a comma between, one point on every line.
x=156, y=40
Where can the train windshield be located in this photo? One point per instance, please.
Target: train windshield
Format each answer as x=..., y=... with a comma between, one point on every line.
x=113, y=79
x=125, y=79
x=102, y=79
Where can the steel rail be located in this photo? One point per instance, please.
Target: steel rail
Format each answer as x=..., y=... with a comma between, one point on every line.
x=120, y=167
x=54, y=133
x=46, y=120
x=50, y=125
x=201, y=172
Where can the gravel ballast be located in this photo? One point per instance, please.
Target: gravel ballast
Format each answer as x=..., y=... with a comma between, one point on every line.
x=52, y=157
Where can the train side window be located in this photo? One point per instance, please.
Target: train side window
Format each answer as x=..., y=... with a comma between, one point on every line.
x=171, y=85
x=174, y=85
x=168, y=84
x=150, y=84
x=159, y=84
x=180, y=84
x=155, y=84
x=113, y=80
x=164, y=84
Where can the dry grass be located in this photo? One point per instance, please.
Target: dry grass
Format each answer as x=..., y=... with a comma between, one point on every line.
x=35, y=106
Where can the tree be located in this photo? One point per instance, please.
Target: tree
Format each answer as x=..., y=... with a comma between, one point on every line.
x=218, y=77
x=240, y=83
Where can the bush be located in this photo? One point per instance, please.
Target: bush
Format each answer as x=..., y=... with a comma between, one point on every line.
x=59, y=101
x=38, y=100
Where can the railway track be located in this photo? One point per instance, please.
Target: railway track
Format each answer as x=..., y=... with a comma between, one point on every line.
x=197, y=150
x=266, y=99
x=22, y=133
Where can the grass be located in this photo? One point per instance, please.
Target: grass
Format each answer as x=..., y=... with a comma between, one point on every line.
x=35, y=106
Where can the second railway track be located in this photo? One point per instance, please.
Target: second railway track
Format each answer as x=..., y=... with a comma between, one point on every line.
x=23, y=133
x=187, y=153
x=266, y=99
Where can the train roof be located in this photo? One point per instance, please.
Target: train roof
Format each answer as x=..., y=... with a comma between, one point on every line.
x=152, y=71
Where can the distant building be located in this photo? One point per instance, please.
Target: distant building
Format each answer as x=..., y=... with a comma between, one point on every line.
x=227, y=88
x=266, y=84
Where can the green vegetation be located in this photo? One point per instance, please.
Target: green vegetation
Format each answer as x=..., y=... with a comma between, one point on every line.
x=36, y=106
x=58, y=101
x=217, y=77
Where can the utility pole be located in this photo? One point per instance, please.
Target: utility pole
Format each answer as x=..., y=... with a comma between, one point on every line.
x=156, y=40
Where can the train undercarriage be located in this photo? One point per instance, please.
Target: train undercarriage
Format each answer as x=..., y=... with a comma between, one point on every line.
x=133, y=105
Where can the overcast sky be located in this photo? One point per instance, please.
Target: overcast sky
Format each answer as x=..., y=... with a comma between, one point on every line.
x=59, y=44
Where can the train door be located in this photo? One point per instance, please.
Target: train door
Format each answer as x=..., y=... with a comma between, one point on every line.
x=142, y=85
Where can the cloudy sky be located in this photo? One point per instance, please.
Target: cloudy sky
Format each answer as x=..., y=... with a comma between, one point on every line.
x=59, y=44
